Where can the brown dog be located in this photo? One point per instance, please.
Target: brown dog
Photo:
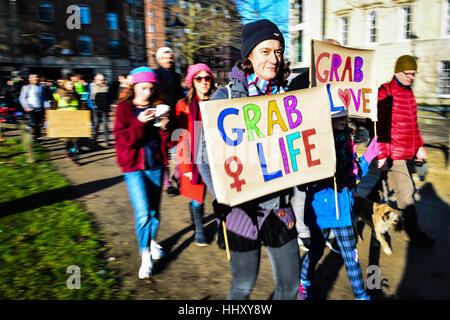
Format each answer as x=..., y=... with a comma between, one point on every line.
x=380, y=217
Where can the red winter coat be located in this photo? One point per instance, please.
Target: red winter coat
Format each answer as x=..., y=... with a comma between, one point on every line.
x=398, y=131
x=131, y=138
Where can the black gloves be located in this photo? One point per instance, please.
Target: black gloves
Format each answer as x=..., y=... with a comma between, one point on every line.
x=221, y=210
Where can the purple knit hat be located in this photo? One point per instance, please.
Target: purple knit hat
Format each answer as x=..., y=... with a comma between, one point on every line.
x=143, y=74
x=193, y=70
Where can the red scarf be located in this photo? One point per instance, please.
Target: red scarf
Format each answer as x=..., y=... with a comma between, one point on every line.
x=194, y=116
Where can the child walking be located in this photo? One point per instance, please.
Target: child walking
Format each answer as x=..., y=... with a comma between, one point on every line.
x=320, y=209
x=138, y=149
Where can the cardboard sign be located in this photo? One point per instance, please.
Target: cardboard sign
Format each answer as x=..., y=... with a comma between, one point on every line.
x=352, y=72
x=260, y=145
x=68, y=123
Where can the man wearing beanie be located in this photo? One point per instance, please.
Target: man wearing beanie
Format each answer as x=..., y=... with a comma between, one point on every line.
x=400, y=142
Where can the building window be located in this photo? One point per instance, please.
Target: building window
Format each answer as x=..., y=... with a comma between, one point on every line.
x=372, y=26
x=140, y=31
x=405, y=20
x=151, y=28
x=130, y=25
x=113, y=21
x=141, y=54
x=151, y=13
x=300, y=11
x=300, y=46
x=444, y=79
x=47, y=43
x=85, y=15
x=45, y=12
x=167, y=17
x=85, y=45
x=153, y=43
x=114, y=49
x=343, y=31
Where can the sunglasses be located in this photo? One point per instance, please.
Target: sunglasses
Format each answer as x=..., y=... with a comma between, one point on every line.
x=206, y=78
x=408, y=74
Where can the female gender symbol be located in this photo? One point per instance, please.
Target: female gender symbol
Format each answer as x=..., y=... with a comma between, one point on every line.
x=234, y=174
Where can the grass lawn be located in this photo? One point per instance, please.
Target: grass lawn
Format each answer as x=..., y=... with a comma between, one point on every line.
x=43, y=233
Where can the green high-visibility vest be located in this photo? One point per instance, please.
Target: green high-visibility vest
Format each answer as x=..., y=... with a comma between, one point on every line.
x=61, y=104
x=79, y=88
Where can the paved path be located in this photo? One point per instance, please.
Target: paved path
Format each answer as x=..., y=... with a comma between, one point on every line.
x=190, y=272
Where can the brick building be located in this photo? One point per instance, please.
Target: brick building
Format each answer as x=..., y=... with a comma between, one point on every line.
x=54, y=38
x=155, y=29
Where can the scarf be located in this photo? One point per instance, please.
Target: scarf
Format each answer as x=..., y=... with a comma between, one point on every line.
x=194, y=115
x=259, y=87
x=345, y=160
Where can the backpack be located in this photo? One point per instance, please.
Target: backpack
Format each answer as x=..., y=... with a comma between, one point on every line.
x=102, y=101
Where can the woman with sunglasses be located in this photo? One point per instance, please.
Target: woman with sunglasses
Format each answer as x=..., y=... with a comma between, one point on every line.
x=138, y=150
x=268, y=220
x=200, y=81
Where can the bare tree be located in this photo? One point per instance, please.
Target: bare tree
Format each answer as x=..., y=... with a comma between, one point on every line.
x=208, y=24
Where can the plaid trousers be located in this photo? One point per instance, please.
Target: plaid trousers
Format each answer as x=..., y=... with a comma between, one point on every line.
x=346, y=240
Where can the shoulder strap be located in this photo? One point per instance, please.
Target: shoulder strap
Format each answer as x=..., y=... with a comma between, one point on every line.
x=229, y=91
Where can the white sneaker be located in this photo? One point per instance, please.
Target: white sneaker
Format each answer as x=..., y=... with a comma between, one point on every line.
x=145, y=271
x=302, y=245
x=156, y=250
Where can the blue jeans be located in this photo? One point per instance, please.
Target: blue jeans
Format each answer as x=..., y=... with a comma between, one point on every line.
x=102, y=115
x=35, y=118
x=285, y=263
x=144, y=189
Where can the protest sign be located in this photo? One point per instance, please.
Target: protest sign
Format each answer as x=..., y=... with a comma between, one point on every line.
x=352, y=73
x=263, y=144
x=68, y=123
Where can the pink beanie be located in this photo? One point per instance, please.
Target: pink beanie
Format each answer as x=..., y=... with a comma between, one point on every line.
x=193, y=70
x=143, y=74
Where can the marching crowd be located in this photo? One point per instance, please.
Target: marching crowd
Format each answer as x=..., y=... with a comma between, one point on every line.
x=150, y=104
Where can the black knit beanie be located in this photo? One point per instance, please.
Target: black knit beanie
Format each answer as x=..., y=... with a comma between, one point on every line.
x=255, y=32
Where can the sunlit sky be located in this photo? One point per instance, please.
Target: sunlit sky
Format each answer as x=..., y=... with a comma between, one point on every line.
x=275, y=10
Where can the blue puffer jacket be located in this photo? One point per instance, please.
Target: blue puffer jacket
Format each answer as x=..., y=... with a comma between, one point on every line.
x=320, y=205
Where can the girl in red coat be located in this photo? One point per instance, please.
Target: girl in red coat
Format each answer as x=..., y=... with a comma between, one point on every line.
x=138, y=150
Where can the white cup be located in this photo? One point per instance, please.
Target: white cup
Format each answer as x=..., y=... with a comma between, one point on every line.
x=162, y=110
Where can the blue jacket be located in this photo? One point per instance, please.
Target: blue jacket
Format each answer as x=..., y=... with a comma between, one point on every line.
x=320, y=204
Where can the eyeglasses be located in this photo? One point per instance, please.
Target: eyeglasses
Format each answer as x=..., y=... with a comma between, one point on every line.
x=206, y=78
x=409, y=74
